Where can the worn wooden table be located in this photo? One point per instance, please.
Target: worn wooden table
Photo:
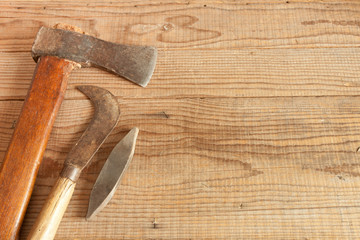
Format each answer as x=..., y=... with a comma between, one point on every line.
x=249, y=127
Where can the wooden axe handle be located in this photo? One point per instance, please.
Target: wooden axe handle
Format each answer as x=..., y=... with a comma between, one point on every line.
x=49, y=219
x=28, y=143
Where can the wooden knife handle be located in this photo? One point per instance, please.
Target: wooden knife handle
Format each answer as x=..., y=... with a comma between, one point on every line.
x=28, y=143
x=49, y=219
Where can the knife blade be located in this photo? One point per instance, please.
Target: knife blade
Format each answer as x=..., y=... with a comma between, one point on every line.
x=111, y=174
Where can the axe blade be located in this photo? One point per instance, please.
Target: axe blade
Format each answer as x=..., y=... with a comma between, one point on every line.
x=135, y=63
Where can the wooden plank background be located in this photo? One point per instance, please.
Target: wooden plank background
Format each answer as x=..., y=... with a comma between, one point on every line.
x=249, y=128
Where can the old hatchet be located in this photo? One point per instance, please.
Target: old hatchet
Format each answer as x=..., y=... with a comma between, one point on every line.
x=57, y=52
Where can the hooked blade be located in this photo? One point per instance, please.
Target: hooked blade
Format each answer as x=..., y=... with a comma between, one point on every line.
x=106, y=116
x=112, y=173
x=135, y=63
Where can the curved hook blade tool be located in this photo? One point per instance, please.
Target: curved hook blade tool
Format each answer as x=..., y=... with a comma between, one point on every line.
x=105, y=118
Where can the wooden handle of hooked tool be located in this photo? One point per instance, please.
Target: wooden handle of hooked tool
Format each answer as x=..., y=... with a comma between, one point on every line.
x=28, y=143
x=49, y=219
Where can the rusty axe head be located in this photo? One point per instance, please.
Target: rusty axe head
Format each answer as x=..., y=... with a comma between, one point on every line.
x=135, y=63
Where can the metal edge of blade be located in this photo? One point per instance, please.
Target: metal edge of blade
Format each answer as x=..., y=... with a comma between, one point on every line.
x=152, y=64
x=148, y=65
x=95, y=207
x=88, y=91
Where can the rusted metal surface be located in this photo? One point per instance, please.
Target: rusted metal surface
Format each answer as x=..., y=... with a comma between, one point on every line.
x=136, y=63
x=112, y=172
x=106, y=116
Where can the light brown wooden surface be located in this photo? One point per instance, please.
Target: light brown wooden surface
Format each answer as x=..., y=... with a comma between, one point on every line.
x=249, y=127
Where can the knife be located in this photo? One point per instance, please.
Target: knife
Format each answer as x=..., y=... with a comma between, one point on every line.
x=112, y=173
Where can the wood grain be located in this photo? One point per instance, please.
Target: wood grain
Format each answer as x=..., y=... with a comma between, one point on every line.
x=219, y=168
x=249, y=128
x=189, y=24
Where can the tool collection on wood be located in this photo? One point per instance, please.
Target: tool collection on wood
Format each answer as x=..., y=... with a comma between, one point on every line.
x=57, y=52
